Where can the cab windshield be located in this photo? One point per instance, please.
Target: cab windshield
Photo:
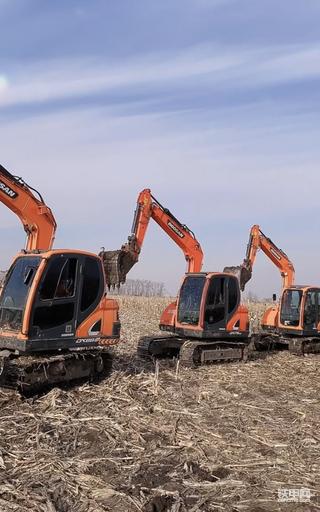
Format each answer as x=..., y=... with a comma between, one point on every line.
x=290, y=308
x=190, y=300
x=15, y=291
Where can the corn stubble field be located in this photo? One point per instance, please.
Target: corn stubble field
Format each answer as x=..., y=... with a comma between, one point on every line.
x=223, y=437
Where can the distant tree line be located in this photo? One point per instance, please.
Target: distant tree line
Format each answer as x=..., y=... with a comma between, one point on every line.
x=140, y=288
x=252, y=297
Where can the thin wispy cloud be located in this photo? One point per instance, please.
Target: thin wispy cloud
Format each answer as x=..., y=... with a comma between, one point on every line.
x=210, y=66
x=65, y=79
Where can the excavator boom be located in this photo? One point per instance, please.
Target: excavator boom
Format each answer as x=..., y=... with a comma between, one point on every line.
x=37, y=218
x=118, y=263
x=258, y=240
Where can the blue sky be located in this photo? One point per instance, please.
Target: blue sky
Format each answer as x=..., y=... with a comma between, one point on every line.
x=213, y=104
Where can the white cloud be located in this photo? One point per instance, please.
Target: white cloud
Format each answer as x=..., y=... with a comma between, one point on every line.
x=63, y=79
x=288, y=64
x=203, y=66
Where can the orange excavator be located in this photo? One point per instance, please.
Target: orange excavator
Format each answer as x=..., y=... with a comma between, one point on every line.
x=294, y=322
x=56, y=323
x=207, y=322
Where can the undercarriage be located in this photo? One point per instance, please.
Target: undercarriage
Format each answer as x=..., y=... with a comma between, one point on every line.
x=298, y=345
x=32, y=374
x=191, y=352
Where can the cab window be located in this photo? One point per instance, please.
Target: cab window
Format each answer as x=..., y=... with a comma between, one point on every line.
x=311, y=309
x=190, y=300
x=60, y=279
x=16, y=290
x=91, y=283
x=215, y=305
x=232, y=295
x=57, y=294
x=290, y=308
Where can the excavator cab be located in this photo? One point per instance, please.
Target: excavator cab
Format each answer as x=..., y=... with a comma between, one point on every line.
x=53, y=307
x=300, y=311
x=209, y=306
x=55, y=300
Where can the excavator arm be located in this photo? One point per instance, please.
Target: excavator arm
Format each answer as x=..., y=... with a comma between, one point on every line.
x=118, y=263
x=258, y=240
x=37, y=218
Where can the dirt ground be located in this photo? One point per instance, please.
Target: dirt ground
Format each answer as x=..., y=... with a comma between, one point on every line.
x=232, y=437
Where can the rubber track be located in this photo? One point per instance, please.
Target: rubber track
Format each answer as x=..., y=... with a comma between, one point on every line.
x=301, y=346
x=143, y=348
x=35, y=374
x=187, y=349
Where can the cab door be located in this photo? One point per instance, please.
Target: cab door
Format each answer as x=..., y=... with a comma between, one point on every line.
x=56, y=304
x=311, y=311
x=222, y=299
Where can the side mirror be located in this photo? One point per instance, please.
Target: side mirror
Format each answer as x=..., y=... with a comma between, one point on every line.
x=274, y=297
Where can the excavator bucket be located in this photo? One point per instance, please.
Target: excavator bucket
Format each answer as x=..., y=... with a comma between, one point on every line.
x=117, y=265
x=243, y=274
